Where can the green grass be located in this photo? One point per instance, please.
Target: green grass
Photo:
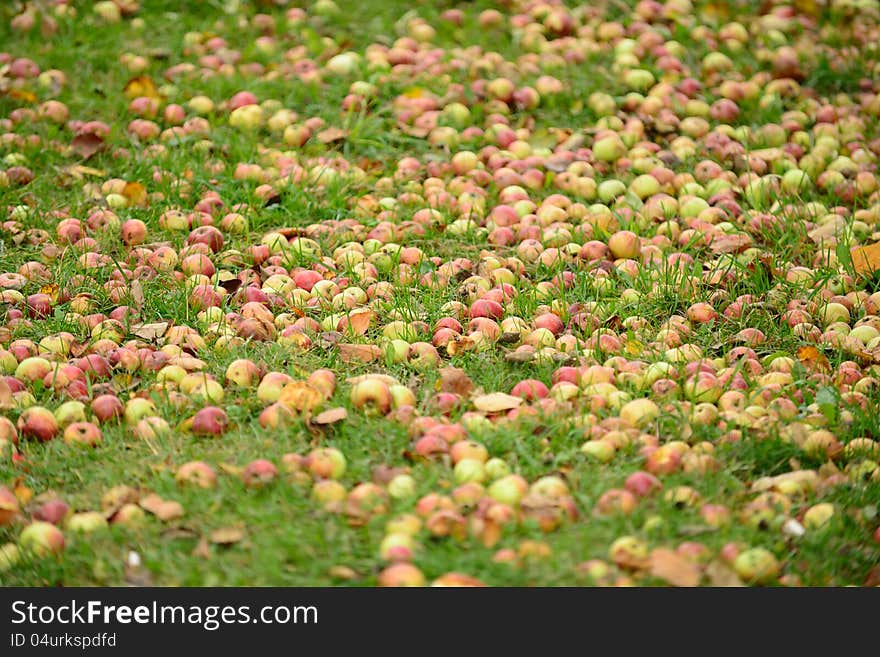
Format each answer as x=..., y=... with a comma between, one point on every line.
x=288, y=539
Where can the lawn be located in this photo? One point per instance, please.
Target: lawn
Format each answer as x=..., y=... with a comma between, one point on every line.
x=457, y=293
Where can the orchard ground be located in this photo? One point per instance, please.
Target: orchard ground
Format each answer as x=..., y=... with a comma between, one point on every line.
x=590, y=262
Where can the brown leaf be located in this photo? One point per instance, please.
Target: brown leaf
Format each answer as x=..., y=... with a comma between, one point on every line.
x=673, y=569
x=150, y=502
x=331, y=134
x=142, y=85
x=357, y=321
x=730, y=243
x=813, y=359
x=202, y=549
x=300, y=396
x=330, y=416
x=343, y=572
x=519, y=357
x=720, y=575
x=364, y=353
x=136, y=194
x=169, y=511
x=87, y=144
x=6, y=399
x=455, y=380
x=866, y=259
x=227, y=535
x=151, y=331
x=496, y=402
x=231, y=469
x=136, y=291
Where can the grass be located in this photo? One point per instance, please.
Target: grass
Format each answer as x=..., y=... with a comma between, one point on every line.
x=288, y=539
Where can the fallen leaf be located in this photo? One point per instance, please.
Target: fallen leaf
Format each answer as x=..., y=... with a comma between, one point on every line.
x=231, y=469
x=300, y=396
x=22, y=96
x=52, y=290
x=813, y=359
x=142, y=85
x=87, y=144
x=6, y=400
x=364, y=353
x=384, y=378
x=23, y=493
x=150, y=502
x=227, y=535
x=357, y=321
x=866, y=259
x=342, y=572
x=136, y=290
x=496, y=402
x=136, y=194
x=151, y=331
x=330, y=416
x=721, y=575
x=455, y=380
x=673, y=569
x=730, y=243
x=331, y=134
x=202, y=549
x=519, y=357
x=169, y=511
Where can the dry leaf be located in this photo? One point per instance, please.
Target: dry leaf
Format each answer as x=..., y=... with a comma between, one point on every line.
x=151, y=331
x=730, y=243
x=455, y=380
x=519, y=356
x=343, y=572
x=227, y=535
x=6, y=399
x=331, y=134
x=363, y=353
x=202, y=549
x=496, y=402
x=87, y=144
x=300, y=396
x=673, y=569
x=136, y=194
x=142, y=85
x=136, y=290
x=150, y=502
x=866, y=259
x=384, y=378
x=52, y=290
x=169, y=511
x=357, y=321
x=721, y=575
x=231, y=469
x=330, y=416
x=813, y=359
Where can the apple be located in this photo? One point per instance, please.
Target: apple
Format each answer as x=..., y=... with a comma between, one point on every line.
x=41, y=539
x=9, y=506
x=107, y=407
x=86, y=434
x=210, y=421
x=325, y=463
x=37, y=422
x=401, y=574
x=86, y=522
x=258, y=473
x=197, y=473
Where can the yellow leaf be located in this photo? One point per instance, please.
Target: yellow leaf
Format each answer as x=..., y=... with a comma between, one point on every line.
x=142, y=85
x=495, y=402
x=135, y=193
x=866, y=259
x=52, y=290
